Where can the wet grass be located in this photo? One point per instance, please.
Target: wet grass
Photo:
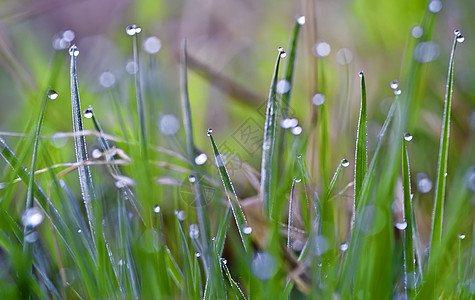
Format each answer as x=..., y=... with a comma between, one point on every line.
x=171, y=224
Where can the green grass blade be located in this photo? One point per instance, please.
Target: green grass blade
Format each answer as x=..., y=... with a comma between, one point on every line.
x=438, y=213
x=85, y=179
x=243, y=228
x=409, y=267
x=269, y=140
x=343, y=164
x=174, y=270
x=235, y=287
x=361, y=141
x=290, y=219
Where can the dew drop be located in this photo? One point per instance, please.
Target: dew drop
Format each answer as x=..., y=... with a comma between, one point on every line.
x=297, y=245
x=424, y=184
x=247, y=230
x=361, y=74
x=197, y=254
x=320, y=245
x=417, y=32
x=344, y=247
x=131, y=67
x=301, y=20
x=344, y=56
x=280, y=49
x=283, y=86
x=345, y=163
x=401, y=225
x=426, y=52
x=194, y=232
x=180, y=215
x=192, y=178
x=210, y=131
x=31, y=237
x=471, y=178
x=460, y=38
x=52, y=95
x=201, y=159
x=434, y=6
x=394, y=84
x=156, y=209
x=152, y=45
x=32, y=217
x=321, y=49
x=68, y=35
x=79, y=230
x=407, y=137
x=133, y=29
x=74, y=51
x=169, y=125
x=88, y=112
x=397, y=92
x=462, y=236
x=96, y=153
x=264, y=265
x=297, y=130
x=297, y=179
x=224, y=261
x=318, y=99
x=107, y=79
x=283, y=54
x=457, y=32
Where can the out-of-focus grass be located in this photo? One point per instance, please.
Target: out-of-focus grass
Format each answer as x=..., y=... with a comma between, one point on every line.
x=161, y=220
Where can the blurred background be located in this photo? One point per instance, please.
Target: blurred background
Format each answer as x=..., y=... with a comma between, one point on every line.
x=232, y=45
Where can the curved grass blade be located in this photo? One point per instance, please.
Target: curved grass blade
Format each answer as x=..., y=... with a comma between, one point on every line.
x=233, y=204
x=174, y=270
x=85, y=179
x=361, y=140
x=409, y=268
x=290, y=219
x=343, y=162
x=438, y=214
x=236, y=289
x=269, y=140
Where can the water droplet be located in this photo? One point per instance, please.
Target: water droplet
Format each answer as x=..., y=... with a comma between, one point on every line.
x=96, y=153
x=31, y=237
x=460, y=38
x=283, y=86
x=32, y=217
x=224, y=261
x=320, y=245
x=401, y=225
x=361, y=74
x=152, y=45
x=394, y=84
x=297, y=245
x=283, y=54
x=280, y=49
x=52, y=95
x=424, y=184
x=133, y=29
x=79, y=230
x=194, y=232
x=434, y=6
x=318, y=99
x=197, y=254
x=88, y=112
x=462, y=236
x=445, y=174
x=247, y=230
x=321, y=49
x=68, y=35
x=297, y=130
x=213, y=238
x=106, y=80
x=263, y=265
x=301, y=20
x=131, y=67
x=192, y=178
x=156, y=209
x=457, y=32
x=168, y=124
x=297, y=179
x=407, y=137
x=289, y=123
x=180, y=215
x=73, y=50
x=123, y=181
x=426, y=52
x=201, y=159
x=344, y=247
x=345, y=163
x=210, y=131
x=344, y=56
x=417, y=32
x=397, y=92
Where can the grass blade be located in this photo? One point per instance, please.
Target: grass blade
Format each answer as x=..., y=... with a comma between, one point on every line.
x=269, y=140
x=85, y=179
x=235, y=287
x=438, y=213
x=409, y=272
x=243, y=228
x=361, y=141
x=343, y=163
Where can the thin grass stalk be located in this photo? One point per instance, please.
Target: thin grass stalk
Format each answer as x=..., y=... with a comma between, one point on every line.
x=235, y=287
x=85, y=179
x=438, y=213
x=290, y=218
x=269, y=141
x=409, y=268
x=361, y=143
